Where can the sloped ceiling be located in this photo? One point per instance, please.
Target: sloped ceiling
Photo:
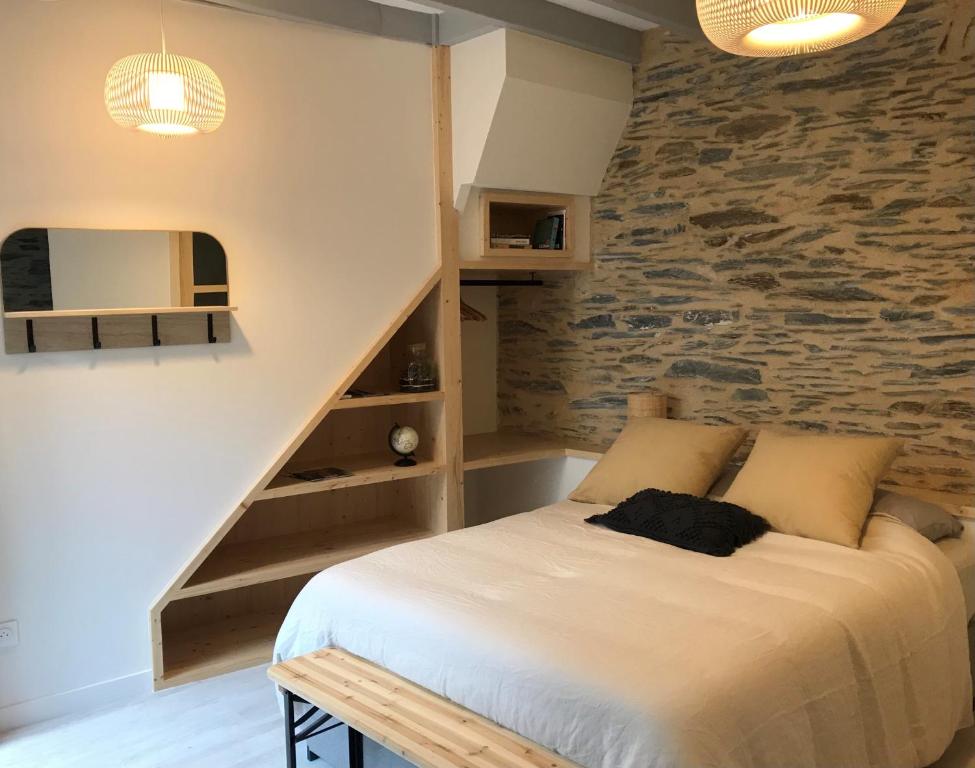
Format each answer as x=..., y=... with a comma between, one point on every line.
x=532, y=114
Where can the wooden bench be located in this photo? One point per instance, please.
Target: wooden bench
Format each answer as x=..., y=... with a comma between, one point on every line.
x=425, y=729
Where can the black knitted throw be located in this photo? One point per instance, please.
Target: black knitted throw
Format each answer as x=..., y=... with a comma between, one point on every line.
x=685, y=521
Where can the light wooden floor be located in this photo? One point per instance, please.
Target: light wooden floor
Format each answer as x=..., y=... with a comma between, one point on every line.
x=228, y=722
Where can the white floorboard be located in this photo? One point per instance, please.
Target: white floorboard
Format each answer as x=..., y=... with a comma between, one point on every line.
x=228, y=722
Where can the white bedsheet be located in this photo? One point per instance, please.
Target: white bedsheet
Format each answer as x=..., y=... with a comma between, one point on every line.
x=620, y=652
x=961, y=553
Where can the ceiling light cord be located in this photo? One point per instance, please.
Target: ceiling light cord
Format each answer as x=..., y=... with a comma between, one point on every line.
x=162, y=28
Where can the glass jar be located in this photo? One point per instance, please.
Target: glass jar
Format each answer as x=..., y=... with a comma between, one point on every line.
x=420, y=374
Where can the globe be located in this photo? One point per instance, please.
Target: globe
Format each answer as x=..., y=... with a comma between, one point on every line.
x=404, y=440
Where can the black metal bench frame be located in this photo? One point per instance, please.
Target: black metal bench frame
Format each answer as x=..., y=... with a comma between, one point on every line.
x=313, y=723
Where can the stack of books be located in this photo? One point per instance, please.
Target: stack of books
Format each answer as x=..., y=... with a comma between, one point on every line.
x=511, y=241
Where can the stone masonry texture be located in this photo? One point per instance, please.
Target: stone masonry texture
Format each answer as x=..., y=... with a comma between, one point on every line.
x=778, y=242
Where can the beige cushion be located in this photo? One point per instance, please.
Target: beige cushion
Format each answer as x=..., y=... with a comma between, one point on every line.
x=820, y=487
x=665, y=454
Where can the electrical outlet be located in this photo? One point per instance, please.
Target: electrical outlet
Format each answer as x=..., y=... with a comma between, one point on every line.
x=9, y=636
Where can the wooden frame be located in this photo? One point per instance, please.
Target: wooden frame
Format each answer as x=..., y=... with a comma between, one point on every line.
x=531, y=201
x=426, y=729
x=74, y=329
x=448, y=228
x=63, y=330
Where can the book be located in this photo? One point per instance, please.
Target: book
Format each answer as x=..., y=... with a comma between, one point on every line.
x=510, y=242
x=317, y=475
x=549, y=233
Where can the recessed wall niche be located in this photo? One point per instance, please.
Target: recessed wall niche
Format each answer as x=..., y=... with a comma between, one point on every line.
x=74, y=289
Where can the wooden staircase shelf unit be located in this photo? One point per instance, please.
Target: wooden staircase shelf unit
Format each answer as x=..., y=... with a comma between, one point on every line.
x=222, y=611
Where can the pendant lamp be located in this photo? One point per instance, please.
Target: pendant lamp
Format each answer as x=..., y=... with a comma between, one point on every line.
x=791, y=27
x=165, y=94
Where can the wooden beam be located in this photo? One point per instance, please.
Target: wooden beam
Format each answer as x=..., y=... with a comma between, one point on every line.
x=355, y=15
x=542, y=18
x=448, y=228
x=677, y=15
x=460, y=20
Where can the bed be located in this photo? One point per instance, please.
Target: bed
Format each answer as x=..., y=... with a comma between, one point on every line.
x=961, y=553
x=621, y=652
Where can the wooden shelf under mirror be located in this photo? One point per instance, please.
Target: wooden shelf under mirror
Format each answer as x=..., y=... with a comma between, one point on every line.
x=76, y=330
x=114, y=312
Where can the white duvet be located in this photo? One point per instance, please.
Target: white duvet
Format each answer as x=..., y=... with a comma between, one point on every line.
x=620, y=652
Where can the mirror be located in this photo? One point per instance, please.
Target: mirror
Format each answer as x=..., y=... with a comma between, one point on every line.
x=53, y=270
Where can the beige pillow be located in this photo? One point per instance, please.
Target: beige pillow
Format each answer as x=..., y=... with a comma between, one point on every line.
x=665, y=454
x=820, y=487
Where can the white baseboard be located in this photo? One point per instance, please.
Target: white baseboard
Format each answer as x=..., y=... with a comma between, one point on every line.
x=78, y=701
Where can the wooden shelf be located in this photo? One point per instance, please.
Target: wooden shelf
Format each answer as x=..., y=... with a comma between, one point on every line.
x=497, y=449
x=256, y=562
x=41, y=315
x=399, y=398
x=527, y=264
x=366, y=470
x=216, y=648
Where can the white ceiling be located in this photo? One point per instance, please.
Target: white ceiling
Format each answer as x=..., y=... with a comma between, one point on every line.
x=587, y=7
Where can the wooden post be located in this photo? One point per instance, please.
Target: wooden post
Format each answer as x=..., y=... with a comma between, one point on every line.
x=447, y=243
x=641, y=404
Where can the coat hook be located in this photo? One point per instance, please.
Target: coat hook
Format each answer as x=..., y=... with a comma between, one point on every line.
x=210, y=337
x=31, y=346
x=95, y=341
x=155, y=331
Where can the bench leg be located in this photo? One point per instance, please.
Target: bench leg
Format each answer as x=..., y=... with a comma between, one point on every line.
x=355, y=749
x=290, y=745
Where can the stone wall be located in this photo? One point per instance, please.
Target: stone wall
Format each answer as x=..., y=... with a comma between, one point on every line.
x=784, y=242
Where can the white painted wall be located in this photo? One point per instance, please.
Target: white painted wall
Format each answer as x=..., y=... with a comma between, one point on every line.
x=102, y=269
x=115, y=465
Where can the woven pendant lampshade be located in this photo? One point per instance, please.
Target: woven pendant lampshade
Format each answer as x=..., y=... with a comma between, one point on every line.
x=791, y=27
x=164, y=93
